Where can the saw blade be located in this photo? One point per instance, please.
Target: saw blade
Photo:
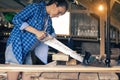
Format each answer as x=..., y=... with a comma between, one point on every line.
x=56, y=44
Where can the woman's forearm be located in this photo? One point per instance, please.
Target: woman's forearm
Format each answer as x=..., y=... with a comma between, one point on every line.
x=31, y=30
x=39, y=34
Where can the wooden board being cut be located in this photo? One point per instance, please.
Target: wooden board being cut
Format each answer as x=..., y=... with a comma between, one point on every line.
x=60, y=57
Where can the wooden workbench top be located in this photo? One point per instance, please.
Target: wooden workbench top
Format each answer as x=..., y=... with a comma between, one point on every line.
x=56, y=68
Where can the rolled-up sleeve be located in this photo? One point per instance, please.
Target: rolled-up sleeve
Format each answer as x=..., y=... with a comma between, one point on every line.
x=53, y=35
x=24, y=25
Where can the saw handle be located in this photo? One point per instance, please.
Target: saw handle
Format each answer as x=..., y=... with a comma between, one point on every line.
x=48, y=37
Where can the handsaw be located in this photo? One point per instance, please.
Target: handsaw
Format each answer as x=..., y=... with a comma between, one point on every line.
x=87, y=59
x=56, y=44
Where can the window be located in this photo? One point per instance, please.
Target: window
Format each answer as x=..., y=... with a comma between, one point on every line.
x=61, y=24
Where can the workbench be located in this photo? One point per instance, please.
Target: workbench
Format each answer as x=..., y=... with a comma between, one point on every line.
x=63, y=72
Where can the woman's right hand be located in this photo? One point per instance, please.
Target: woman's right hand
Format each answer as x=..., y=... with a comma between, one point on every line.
x=41, y=35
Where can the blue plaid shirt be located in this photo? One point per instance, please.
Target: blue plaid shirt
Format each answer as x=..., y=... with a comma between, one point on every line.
x=22, y=41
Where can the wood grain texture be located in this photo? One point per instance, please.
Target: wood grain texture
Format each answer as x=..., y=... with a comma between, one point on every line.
x=56, y=68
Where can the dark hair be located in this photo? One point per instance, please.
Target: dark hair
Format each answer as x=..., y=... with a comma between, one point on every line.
x=59, y=3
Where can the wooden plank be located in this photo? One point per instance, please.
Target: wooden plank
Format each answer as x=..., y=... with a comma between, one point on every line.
x=50, y=75
x=60, y=57
x=69, y=76
x=102, y=37
x=88, y=76
x=112, y=2
x=108, y=76
x=115, y=22
x=58, y=68
x=71, y=62
x=33, y=73
x=41, y=78
x=9, y=10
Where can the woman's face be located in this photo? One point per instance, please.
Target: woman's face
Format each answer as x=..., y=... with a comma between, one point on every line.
x=57, y=11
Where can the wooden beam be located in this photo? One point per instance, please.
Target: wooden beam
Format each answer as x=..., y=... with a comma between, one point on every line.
x=91, y=8
x=102, y=37
x=10, y=10
x=45, y=68
x=117, y=1
x=115, y=22
x=112, y=3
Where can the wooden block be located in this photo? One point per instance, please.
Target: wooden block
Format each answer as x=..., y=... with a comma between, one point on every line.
x=69, y=76
x=60, y=57
x=50, y=75
x=71, y=62
x=108, y=76
x=88, y=76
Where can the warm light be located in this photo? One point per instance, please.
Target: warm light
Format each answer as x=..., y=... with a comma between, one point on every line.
x=101, y=7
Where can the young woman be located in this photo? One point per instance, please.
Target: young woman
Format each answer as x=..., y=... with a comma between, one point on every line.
x=30, y=26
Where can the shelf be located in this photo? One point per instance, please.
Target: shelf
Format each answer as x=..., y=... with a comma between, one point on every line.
x=79, y=38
